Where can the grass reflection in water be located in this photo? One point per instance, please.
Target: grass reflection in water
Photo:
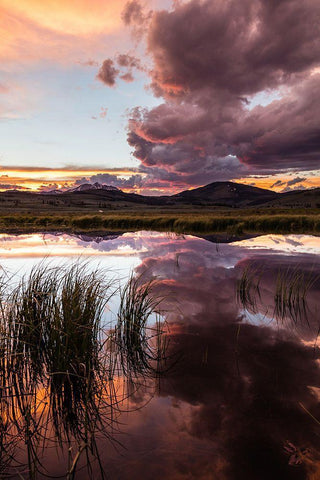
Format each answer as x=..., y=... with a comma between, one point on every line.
x=289, y=296
x=60, y=370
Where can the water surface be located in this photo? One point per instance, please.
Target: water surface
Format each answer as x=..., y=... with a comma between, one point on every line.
x=241, y=397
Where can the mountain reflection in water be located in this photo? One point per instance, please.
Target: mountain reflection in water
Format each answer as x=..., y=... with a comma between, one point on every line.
x=241, y=399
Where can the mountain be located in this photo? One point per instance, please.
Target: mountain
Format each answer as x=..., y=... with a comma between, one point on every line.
x=52, y=192
x=88, y=197
x=91, y=193
x=226, y=194
x=86, y=187
x=298, y=198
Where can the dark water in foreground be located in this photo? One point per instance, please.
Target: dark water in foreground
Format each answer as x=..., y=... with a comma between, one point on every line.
x=241, y=399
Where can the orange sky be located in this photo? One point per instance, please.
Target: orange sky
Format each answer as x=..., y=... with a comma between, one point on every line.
x=79, y=17
x=268, y=182
x=35, y=178
x=32, y=30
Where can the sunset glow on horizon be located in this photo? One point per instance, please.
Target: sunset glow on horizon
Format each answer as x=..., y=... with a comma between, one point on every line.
x=39, y=179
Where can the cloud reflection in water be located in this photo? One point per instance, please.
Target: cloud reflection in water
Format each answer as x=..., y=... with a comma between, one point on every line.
x=239, y=391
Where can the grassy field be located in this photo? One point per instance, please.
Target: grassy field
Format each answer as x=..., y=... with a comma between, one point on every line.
x=224, y=221
x=29, y=212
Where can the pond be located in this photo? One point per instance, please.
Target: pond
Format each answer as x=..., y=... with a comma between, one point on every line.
x=238, y=392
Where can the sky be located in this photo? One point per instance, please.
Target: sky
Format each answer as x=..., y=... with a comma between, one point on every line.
x=159, y=96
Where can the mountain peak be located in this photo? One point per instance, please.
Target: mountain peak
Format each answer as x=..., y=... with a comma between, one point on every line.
x=226, y=194
x=84, y=187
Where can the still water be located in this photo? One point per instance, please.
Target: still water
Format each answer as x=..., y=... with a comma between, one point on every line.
x=240, y=395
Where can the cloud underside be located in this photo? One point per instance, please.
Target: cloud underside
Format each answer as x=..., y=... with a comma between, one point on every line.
x=210, y=60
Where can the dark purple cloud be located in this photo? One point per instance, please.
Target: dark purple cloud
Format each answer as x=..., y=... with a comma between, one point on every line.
x=137, y=17
x=175, y=142
x=294, y=184
x=129, y=61
x=134, y=181
x=278, y=183
x=209, y=59
x=238, y=47
x=127, y=77
x=284, y=134
x=133, y=13
x=54, y=186
x=108, y=73
x=294, y=181
x=8, y=186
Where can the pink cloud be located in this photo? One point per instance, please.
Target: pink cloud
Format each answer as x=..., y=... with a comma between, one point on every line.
x=204, y=131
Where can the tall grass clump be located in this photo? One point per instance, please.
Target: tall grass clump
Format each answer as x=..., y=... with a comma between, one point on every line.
x=141, y=346
x=291, y=287
x=50, y=344
x=57, y=363
x=248, y=289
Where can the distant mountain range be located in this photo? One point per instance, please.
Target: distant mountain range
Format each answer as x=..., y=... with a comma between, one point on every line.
x=85, y=187
x=228, y=194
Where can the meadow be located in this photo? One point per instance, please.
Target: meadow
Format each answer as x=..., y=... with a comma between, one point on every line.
x=196, y=221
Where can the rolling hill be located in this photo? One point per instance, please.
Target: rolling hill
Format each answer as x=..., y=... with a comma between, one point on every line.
x=226, y=194
x=217, y=194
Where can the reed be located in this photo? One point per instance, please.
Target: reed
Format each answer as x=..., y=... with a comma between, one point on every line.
x=290, y=294
x=292, y=286
x=134, y=335
x=57, y=363
x=248, y=289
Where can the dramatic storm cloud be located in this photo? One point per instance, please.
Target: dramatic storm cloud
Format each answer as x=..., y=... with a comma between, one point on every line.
x=210, y=58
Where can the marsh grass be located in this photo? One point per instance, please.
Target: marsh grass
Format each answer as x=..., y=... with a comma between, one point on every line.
x=248, y=288
x=58, y=365
x=290, y=293
x=142, y=346
x=290, y=297
x=203, y=222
